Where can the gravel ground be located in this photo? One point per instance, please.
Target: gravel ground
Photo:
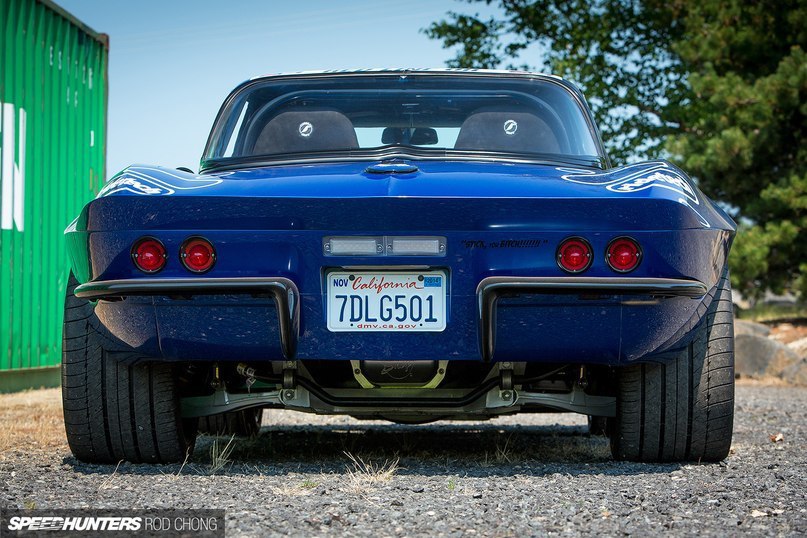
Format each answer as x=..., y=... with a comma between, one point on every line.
x=523, y=475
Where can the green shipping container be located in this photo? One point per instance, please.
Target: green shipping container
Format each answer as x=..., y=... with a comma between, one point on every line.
x=53, y=103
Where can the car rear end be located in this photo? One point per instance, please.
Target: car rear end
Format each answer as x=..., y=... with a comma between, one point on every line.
x=402, y=281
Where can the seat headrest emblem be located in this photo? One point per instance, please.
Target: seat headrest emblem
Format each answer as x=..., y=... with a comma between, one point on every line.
x=305, y=129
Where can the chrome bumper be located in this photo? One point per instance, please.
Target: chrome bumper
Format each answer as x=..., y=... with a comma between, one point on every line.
x=287, y=296
x=492, y=288
x=282, y=290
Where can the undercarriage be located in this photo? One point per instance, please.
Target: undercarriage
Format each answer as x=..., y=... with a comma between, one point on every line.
x=401, y=391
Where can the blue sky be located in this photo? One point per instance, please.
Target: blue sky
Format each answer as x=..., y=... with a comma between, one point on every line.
x=172, y=62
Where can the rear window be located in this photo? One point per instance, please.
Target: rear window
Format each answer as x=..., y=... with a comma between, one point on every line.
x=422, y=115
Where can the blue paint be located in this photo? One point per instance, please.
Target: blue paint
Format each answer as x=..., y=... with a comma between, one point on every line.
x=498, y=218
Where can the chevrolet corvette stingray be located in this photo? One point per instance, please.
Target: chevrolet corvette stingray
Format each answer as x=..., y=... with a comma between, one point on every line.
x=407, y=245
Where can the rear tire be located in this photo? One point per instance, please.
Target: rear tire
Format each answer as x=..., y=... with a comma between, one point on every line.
x=243, y=423
x=681, y=408
x=113, y=411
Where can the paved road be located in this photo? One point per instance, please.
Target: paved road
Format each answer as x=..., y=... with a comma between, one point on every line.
x=516, y=476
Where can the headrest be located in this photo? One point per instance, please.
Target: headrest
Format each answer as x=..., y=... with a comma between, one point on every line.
x=300, y=131
x=503, y=130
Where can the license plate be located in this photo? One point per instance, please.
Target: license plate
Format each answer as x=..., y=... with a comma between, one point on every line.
x=386, y=301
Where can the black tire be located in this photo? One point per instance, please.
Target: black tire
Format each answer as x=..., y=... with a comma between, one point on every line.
x=681, y=408
x=243, y=423
x=113, y=411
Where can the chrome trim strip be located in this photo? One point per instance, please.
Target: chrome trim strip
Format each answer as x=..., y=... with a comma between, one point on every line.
x=491, y=288
x=376, y=155
x=283, y=291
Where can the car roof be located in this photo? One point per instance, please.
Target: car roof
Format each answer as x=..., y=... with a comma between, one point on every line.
x=418, y=71
x=409, y=70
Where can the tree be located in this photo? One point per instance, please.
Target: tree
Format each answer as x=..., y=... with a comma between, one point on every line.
x=746, y=128
x=720, y=87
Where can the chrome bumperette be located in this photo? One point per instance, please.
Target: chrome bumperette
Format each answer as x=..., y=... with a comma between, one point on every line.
x=282, y=290
x=492, y=288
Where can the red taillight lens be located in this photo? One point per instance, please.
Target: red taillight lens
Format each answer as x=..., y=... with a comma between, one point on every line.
x=574, y=255
x=623, y=254
x=197, y=255
x=148, y=255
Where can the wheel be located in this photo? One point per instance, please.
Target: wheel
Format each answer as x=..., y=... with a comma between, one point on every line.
x=681, y=408
x=242, y=423
x=113, y=411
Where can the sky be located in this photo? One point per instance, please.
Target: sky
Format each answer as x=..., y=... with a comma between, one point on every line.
x=172, y=62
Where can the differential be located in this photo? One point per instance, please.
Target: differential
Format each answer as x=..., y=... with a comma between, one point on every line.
x=399, y=374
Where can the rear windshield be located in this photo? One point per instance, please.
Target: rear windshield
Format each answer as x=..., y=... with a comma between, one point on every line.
x=418, y=115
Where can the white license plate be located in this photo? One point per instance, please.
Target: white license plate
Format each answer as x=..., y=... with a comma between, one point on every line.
x=386, y=301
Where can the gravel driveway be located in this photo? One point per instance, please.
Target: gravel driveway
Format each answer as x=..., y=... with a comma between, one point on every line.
x=515, y=476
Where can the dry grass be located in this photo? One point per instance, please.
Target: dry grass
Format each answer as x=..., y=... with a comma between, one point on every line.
x=109, y=481
x=293, y=488
x=31, y=421
x=504, y=452
x=362, y=476
x=220, y=455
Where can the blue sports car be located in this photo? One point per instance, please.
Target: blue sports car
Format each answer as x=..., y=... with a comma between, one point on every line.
x=408, y=245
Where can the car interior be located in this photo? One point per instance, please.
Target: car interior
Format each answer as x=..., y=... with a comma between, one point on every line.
x=332, y=122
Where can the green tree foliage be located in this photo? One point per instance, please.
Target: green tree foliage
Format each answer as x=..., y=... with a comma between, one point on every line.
x=719, y=86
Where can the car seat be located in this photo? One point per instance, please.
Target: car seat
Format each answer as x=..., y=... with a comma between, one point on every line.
x=507, y=131
x=302, y=131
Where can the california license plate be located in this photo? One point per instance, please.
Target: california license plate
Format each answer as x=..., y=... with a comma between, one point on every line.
x=386, y=301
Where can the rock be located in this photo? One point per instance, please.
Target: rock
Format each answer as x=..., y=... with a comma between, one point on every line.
x=758, y=356
x=800, y=347
x=753, y=354
x=742, y=326
x=796, y=373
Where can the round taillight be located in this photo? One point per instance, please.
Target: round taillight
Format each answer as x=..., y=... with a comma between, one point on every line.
x=197, y=255
x=574, y=255
x=149, y=255
x=623, y=254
